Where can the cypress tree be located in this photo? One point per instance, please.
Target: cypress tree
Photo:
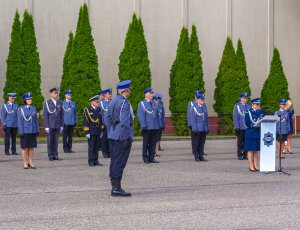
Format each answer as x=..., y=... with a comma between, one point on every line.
x=64, y=85
x=181, y=76
x=31, y=60
x=196, y=62
x=15, y=69
x=134, y=63
x=276, y=86
x=83, y=66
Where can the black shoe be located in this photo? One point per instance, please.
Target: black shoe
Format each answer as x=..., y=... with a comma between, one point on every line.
x=202, y=159
x=57, y=159
x=98, y=164
x=147, y=162
x=15, y=153
x=105, y=155
x=66, y=151
x=160, y=149
x=252, y=170
x=91, y=164
x=115, y=191
x=7, y=153
x=31, y=166
x=51, y=158
x=241, y=158
x=245, y=157
x=204, y=154
x=71, y=151
x=197, y=158
x=154, y=161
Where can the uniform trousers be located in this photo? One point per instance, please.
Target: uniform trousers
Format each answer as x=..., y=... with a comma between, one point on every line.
x=149, y=144
x=10, y=132
x=93, y=149
x=198, y=141
x=119, y=155
x=68, y=137
x=105, y=142
x=241, y=142
x=52, y=142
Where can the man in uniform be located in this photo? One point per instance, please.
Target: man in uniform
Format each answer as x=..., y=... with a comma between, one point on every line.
x=147, y=113
x=70, y=121
x=106, y=124
x=120, y=136
x=53, y=116
x=93, y=130
x=239, y=111
x=100, y=98
x=9, y=120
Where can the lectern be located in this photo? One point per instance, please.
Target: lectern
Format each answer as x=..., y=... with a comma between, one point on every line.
x=267, y=143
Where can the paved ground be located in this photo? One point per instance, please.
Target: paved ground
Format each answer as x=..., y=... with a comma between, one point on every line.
x=178, y=193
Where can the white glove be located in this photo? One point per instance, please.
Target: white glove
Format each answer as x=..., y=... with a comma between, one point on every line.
x=88, y=136
x=61, y=129
x=47, y=130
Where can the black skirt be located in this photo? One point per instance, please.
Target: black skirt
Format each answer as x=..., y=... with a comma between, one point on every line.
x=28, y=141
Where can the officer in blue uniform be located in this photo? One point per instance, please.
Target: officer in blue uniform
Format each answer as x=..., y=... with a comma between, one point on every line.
x=93, y=130
x=252, y=136
x=147, y=113
x=198, y=121
x=282, y=126
x=9, y=120
x=53, y=116
x=192, y=104
x=70, y=121
x=239, y=111
x=157, y=98
x=28, y=125
x=120, y=136
x=106, y=124
x=100, y=98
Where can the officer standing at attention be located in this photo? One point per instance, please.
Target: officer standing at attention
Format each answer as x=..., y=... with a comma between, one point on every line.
x=53, y=116
x=70, y=121
x=239, y=111
x=106, y=124
x=157, y=98
x=9, y=120
x=252, y=136
x=120, y=136
x=100, y=98
x=198, y=120
x=92, y=128
x=147, y=113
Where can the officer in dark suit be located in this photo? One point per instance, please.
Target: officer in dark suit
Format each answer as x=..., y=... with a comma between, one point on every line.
x=157, y=98
x=9, y=120
x=92, y=128
x=70, y=121
x=147, y=113
x=120, y=136
x=104, y=103
x=53, y=116
x=100, y=98
x=239, y=111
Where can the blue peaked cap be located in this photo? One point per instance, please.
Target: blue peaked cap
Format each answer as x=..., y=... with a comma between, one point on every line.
x=68, y=92
x=148, y=90
x=200, y=96
x=255, y=101
x=107, y=91
x=27, y=96
x=282, y=101
x=198, y=92
x=157, y=96
x=124, y=84
x=94, y=98
x=244, y=95
x=12, y=95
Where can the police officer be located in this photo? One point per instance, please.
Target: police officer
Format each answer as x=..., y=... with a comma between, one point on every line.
x=100, y=98
x=120, y=136
x=252, y=136
x=53, y=116
x=198, y=121
x=9, y=120
x=239, y=111
x=147, y=113
x=157, y=98
x=28, y=125
x=93, y=130
x=106, y=124
x=70, y=121
x=282, y=126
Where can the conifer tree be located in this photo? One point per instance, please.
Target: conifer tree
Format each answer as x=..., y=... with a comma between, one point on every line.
x=15, y=69
x=31, y=61
x=276, y=85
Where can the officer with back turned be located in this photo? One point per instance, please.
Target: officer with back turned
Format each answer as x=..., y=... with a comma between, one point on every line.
x=120, y=136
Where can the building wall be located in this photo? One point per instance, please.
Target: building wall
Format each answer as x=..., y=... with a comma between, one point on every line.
x=261, y=24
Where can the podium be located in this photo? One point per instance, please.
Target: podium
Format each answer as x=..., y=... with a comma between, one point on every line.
x=267, y=142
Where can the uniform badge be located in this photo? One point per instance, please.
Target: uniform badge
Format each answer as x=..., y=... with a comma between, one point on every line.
x=268, y=139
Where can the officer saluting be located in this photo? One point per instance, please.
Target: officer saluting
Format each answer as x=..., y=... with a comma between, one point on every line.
x=104, y=103
x=70, y=121
x=53, y=116
x=120, y=136
x=239, y=111
x=9, y=120
x=148, y=117
x=92, y=128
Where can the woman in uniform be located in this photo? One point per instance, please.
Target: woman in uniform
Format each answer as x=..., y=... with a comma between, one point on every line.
x=157, y=98
x=289, y=108
x=28, y=129
x=252, y=136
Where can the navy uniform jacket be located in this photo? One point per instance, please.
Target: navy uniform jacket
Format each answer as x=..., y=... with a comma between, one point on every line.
x=147, y=113
x=104, y=104
x=239, y=112
x=161, y=115
x=28, y=120
x=70, y=112
x=121, y=111
x=285, y=122
x=53, y=115
x=197, y=117
x=9, y=115
x=251, y=117
x=92, y=121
